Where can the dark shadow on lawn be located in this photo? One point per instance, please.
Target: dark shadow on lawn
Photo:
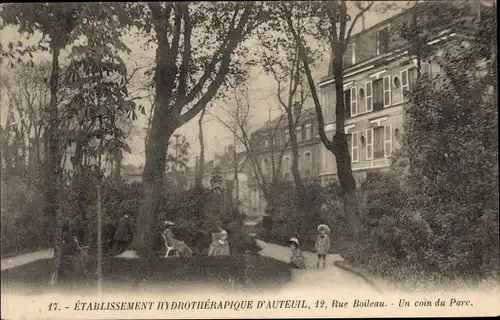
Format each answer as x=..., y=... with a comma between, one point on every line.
x=240, y=272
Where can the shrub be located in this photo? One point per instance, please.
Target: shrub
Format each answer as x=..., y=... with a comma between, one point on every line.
x=197, y=213
x=23, y=224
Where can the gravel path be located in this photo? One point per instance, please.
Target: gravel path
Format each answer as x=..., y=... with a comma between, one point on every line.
x=332, y=278
x=19, y=260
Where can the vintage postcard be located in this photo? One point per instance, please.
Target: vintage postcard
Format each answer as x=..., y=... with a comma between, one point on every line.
x=257, y=159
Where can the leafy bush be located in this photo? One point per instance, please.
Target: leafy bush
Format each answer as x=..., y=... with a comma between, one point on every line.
x=23, y=225
x=297, y=214
x=197, y=213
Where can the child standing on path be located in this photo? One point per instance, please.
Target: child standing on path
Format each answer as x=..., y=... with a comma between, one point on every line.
x=322, y=244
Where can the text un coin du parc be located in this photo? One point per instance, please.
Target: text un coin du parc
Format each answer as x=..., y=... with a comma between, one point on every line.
x=237, y=305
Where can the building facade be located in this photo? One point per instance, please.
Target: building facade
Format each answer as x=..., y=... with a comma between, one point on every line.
x=225, y=162
x=273, y=155
x=378, y=74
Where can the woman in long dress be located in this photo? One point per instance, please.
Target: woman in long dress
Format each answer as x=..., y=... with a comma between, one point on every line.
x=219, y=245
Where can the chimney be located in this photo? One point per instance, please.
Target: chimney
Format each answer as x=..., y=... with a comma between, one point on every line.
x=363, y=22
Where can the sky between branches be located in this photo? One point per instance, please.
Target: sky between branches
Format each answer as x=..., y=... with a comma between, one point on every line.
x=262, y=94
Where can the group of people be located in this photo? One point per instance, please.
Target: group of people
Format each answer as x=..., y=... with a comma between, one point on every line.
x=322, y=246
x=123, y=236
x=220, y=245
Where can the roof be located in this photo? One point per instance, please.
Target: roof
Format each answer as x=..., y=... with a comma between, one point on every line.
x=282, y=122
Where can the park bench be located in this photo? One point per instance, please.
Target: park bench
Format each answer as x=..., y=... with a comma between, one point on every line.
x=168, y=247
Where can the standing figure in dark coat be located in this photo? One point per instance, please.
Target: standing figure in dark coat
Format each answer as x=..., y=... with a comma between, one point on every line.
x=123, y=235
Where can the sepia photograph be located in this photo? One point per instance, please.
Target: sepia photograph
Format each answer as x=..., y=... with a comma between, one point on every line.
x=249, y=159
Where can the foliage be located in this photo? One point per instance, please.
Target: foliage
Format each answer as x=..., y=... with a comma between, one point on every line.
x=60, y=26
x=297, y=214
x=23, y=224
x=440, y=221
x=453, y=158
x=178, y=154
x=199, y=212
x=185, y=78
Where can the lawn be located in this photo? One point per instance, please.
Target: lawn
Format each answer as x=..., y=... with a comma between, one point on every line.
x=247, y=271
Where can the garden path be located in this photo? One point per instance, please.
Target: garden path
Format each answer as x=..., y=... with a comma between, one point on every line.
x=21, y=259
x=332, y=278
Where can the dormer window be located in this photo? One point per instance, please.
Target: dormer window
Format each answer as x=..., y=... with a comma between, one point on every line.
x=383, y=40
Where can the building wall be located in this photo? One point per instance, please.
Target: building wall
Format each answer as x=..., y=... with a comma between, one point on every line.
x=377, y=74
x=373, y=133
x=375, y=88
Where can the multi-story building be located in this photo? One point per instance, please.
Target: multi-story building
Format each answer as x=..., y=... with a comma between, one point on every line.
x=378, y=72
x=273, y=153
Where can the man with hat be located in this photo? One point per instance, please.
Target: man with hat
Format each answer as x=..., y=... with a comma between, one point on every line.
x=123, y=235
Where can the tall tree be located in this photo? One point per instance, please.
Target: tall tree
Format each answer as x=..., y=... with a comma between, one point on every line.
x=451, y=141
x=98, y=107
x=60, y=24
x=27, y=94
x=238, y=124
x=279, y=58
x=201, y=160
x=333, y=26
x=185, y=78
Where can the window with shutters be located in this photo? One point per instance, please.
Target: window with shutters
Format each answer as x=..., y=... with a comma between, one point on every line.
x=369, y=144
x=286, y=167
x=387, y=91
x=308, y=132
x=405, y=84
x=347, y=103
x=354, y=101
x=383, y=40
x=307, y=164
x=378, y=143
x=354, y=147
x=387, y=141
x=378, y=95
x=369, y=96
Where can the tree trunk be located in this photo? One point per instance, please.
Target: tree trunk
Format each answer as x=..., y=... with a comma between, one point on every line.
x=201, y=163
x=295, y=152
x=341, y=150
x=80, y=191
x=162, y=128
x=117, y=172
x=53, y=168
x=236, y=182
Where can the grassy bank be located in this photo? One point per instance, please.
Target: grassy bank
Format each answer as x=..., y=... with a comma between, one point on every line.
x=247, y=271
